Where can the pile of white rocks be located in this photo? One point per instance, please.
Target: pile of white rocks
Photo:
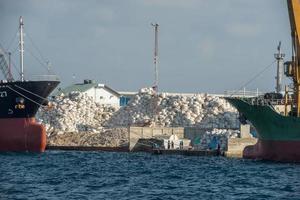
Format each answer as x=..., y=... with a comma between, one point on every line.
x=200, y=110
x=212, y=138
x=75, y=112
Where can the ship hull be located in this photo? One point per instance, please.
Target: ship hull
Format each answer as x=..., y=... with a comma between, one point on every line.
x=284, y=151
x=21, y=135
x=19, y=103
x=278, y=135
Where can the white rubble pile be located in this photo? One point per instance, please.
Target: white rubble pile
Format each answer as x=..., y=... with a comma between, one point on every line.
x=77, y=112
x=200, y=110
x=212, y=138
x=74, y=113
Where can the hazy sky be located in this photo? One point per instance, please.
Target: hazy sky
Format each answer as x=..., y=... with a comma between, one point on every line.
x=204, y=45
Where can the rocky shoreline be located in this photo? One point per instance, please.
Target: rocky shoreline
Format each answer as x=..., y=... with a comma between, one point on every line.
x=110, y=137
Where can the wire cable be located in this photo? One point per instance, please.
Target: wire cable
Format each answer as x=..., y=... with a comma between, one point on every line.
x=254, y=77
x=31, y=92
x=12, y=40
x=39, y=61
x=37, y=49
x=15, y=67
x=42, y=60
x=14, y=51
x=42, y=106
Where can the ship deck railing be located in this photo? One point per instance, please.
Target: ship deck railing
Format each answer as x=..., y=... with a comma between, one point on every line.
x=45, y=78
x=262, y=102
x=242, y=93
x=35, y=78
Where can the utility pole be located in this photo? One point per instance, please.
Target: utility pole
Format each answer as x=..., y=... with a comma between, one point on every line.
x=279, y=57
x=155, y=55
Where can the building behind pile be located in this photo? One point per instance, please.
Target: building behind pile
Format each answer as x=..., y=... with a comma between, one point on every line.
x=101, y=93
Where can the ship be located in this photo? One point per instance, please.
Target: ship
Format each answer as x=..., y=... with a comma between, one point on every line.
x=20, y=100
x=276, y=116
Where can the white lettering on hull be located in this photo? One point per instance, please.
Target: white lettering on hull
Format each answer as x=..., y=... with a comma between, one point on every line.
x=10, y=111
x=3, y=94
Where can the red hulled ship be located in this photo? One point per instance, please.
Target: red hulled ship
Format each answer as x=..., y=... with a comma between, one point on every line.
x=20, y=101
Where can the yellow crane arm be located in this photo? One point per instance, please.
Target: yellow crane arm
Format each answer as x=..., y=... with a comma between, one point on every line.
x=294, y=15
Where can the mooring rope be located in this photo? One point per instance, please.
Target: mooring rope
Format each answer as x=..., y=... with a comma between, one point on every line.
x=31, y=93
x=42, y=106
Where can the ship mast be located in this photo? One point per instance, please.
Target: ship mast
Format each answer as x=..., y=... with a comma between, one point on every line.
x=9, y=67
x=279, y=58
x=156, y=55
x=21, y=24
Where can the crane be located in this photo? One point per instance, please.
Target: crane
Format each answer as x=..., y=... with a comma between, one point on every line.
x=5, y=66
x=292, y=68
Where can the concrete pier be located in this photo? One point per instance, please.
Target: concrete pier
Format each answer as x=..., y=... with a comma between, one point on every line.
x=168, y=141
x=139, y=135
x=236, y=146
x=186, y=152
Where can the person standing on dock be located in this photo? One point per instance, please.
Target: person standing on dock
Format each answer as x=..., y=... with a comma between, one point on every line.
x=181, y=144
x=168, y=144
x=172, y=144
x=219, y=149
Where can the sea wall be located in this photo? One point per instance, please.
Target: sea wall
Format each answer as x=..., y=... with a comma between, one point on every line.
x=209, y=138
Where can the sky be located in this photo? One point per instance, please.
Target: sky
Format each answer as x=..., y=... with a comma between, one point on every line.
x=204, y=45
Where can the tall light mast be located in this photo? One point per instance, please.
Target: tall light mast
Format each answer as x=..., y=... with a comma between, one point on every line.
x=279, y=58
x=21, y=48
x=156, y=55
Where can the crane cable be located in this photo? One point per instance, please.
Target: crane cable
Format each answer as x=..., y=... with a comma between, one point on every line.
x=39, y=61
x=42, y=60
x=36, y=48
x=12, y=40
x=254, y=77
x=15, y=67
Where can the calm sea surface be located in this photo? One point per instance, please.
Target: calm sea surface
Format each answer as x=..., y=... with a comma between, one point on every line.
x=105, y=175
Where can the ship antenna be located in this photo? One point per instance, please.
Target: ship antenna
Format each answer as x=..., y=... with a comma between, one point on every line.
x=21, y=24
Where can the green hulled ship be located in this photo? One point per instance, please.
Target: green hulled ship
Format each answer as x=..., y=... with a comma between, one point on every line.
x=278, y=135
x=278, y=131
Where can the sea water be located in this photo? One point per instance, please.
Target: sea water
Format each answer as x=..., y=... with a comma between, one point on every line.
x=108, y=175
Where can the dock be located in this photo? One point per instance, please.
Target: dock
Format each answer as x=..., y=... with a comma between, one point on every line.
x=187, y=152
